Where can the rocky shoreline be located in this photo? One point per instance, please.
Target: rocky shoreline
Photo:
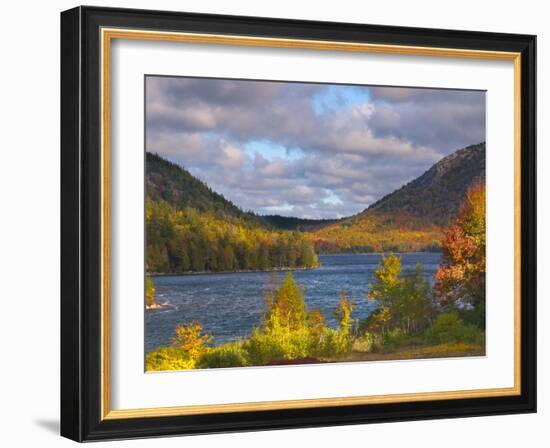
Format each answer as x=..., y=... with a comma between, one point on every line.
x=154, y=306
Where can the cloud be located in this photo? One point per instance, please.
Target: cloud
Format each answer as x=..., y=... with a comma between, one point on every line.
x=442, y=119
x=308, y=150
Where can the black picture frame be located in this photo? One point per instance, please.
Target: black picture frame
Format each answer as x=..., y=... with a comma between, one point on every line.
x=81, y=224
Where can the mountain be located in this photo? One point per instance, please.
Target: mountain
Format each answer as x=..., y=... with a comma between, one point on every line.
x=178, y=187
x=413, y=216
x=435, y=196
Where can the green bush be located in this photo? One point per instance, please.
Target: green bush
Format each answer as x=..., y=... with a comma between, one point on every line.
x=288, y=330
x=263, y=348
x=227, y=355
x=397, y=338
x=365, y=343
x=278, y=343
x=394, y=338
x=474, y=316
x=449, y=328
x=169, y=358
x=335, y=343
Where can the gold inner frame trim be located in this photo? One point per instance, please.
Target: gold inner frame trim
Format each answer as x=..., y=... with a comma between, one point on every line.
x=107, y=35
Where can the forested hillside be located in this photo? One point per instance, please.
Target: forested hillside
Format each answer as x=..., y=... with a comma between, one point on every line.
x=190, y=228
x=179, y=188
x=410, y=218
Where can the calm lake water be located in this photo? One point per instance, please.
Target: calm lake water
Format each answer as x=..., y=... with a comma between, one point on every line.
x=230, y=305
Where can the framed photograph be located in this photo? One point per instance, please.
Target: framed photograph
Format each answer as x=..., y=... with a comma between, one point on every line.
x=276, y=224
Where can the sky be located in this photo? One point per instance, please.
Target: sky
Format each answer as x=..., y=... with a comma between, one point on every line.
x=303, y=149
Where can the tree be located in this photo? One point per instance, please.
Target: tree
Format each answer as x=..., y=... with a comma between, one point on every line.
x=404, y=299
x=289, y=305
x=385, y=291
x=191, y=340
x=460, y=280
x=416, y=307
x=288, y=330
x=386, y=279
x=178, y=249
x=263, y=256
x=343, y=313
x=308, y=257
x=192, y=240
x=317, y=323
x=197, y=256
x=228, y=258
x=149, y=292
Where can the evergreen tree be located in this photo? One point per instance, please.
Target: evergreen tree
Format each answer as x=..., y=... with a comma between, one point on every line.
x=404, y=300
x=289, y=305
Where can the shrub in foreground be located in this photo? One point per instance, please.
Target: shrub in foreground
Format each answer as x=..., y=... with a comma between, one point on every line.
x=449, y=328
x=365, y=343
x=276, y=343
x=168, y=358
x=227, y=355
x=188, y=344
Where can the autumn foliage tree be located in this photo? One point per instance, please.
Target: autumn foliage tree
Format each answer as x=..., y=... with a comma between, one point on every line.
x=343, y=312
x=288, y=304
x=285, y=330
x=190, y=240
x=149, y=292
x=191, y=339
x=460, y=280
x=189, y=344
x=404, y=298
x=290, y=331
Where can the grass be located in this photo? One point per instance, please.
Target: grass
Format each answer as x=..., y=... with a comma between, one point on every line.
x=448, y=350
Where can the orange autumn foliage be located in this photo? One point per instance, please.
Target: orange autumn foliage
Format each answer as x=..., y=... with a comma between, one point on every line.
x=461, y=275
x=191, y=339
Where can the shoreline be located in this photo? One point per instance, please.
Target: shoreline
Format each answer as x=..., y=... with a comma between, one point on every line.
x=240, y=271
x=321, y=254
x=281, y=269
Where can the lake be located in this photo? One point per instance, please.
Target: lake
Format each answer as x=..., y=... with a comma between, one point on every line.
x=230, y=305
